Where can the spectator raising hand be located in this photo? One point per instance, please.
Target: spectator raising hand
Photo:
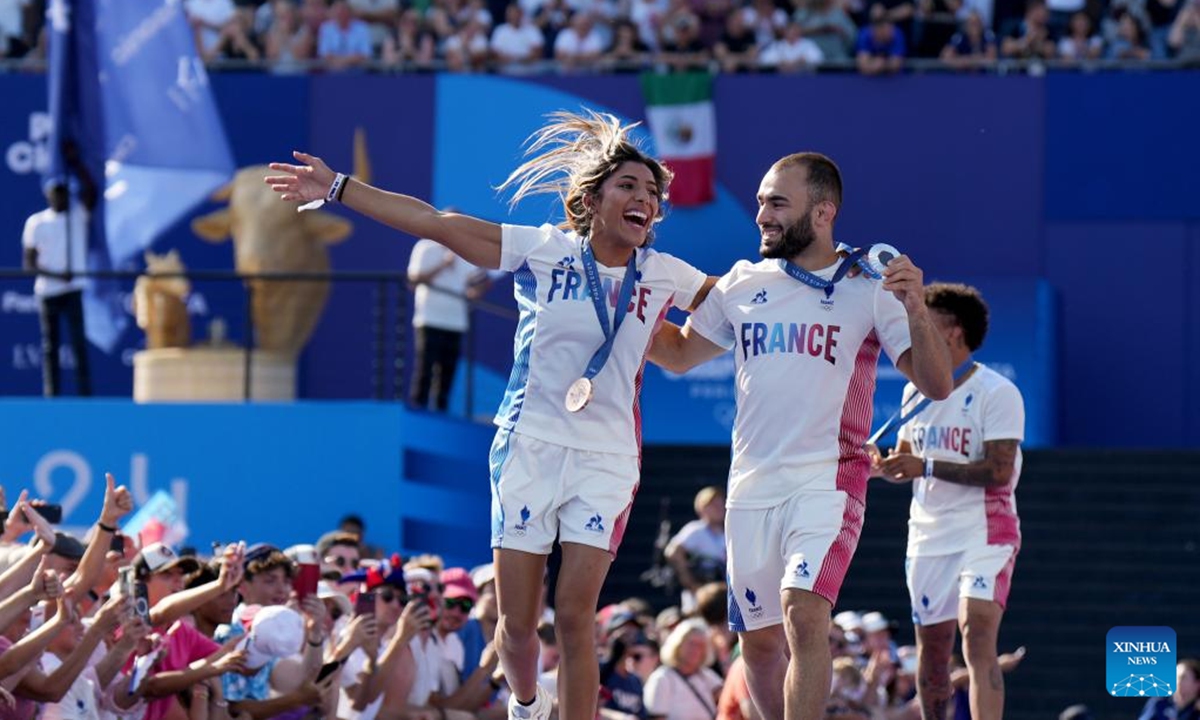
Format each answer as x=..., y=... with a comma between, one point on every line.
x=233, y=566
x=363, y=632
x=46, y=584
x=112, y=614
x=25, y=518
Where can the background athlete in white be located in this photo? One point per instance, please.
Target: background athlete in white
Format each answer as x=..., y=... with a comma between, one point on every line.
x=554, y=471
x=805, y=378
x=963, y=531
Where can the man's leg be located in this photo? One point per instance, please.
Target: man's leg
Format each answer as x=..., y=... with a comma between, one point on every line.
x=935, y=644
x=418, y=386
x=79, y=343
x=51, y=342
x=766, y=654
x=755, y=568
x=810, y=672
x=980, y=628
x=448, y=346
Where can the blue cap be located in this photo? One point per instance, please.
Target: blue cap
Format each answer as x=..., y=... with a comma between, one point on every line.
x=385, y=574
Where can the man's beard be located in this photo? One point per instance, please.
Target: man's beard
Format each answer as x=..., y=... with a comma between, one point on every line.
x=794, y=240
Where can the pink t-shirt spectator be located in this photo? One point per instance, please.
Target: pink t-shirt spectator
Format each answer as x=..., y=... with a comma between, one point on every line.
x=185, y=645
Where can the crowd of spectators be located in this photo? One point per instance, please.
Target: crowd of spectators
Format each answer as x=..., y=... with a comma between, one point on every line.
x=528, y=36
x=113, y=626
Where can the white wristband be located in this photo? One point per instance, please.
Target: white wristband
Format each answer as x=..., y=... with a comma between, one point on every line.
x=928, y=467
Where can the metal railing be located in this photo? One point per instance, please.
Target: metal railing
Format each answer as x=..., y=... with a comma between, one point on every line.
x=385, y=309
x=606, y=66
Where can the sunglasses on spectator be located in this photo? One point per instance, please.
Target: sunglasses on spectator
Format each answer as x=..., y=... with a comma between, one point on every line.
x=389, y=596
x=464, y=604
x=340, y=561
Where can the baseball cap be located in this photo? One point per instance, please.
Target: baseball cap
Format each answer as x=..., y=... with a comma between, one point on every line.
x=620, y=618
x=325, y=591
x=160, y=557
x=275, y=632
x=67, y=546
x=385, y=573
x=848, y=620
x=419, y=575
x=874, y=622
x=457, y=583
x=303, y=555
x=259, y=551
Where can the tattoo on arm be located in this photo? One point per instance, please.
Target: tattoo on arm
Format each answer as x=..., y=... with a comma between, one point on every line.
x=994, y=470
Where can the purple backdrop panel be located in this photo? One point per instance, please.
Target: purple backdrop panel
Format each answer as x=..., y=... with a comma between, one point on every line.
x=945, y=168
x=1122, y=346
x=395, y=115
x=1124, y=146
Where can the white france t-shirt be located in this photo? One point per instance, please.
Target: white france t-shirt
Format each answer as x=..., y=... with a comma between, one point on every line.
x=805, y=377
x=558, y=332
x=947, y=518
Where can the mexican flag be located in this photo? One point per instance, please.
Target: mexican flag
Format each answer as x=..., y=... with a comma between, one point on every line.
x=680, y=111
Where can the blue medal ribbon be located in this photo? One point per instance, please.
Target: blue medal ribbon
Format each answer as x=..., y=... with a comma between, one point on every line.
x=818, y=282
x=898, y=419
x=596, y=364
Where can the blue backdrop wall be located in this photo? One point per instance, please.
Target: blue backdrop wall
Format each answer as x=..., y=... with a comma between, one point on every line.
x=1070, y=199
x=288, y=471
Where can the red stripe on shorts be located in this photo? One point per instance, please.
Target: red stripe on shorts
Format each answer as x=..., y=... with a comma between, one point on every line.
x=837, y=559
x=1004, y=581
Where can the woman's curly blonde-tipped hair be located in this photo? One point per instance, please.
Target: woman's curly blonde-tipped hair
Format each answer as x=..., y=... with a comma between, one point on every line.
x=572, y=156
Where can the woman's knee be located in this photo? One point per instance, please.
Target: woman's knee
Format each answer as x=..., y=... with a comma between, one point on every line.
x=574, y=622
x=512, y=627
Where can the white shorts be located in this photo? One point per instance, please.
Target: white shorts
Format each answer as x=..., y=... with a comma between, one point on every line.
x=805, y=543
x=541, y=490
x=935, y=584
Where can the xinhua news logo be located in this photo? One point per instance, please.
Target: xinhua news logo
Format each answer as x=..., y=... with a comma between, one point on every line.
x=1141, y=662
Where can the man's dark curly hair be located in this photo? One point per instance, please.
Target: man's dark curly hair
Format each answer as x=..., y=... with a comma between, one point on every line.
x=965, y=305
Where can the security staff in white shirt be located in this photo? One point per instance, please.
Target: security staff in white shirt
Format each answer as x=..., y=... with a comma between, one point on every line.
x=55, y=244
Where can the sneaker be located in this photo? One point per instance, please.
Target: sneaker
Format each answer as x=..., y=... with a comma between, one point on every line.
x=539, y=710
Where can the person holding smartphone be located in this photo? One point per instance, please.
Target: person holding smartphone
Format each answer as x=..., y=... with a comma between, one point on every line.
x=374, y=671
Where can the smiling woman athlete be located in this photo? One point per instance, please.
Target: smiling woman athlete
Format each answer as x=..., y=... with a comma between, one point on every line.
x=591, y=293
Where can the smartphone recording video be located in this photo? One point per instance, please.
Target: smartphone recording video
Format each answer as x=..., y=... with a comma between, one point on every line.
x=305, y=582
x=51, y=512
x=141, y=601
x=364, y=604
x=126, y=581
x=328, y=669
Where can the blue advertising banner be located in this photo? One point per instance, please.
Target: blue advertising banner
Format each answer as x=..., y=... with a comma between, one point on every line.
x=283, y=473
